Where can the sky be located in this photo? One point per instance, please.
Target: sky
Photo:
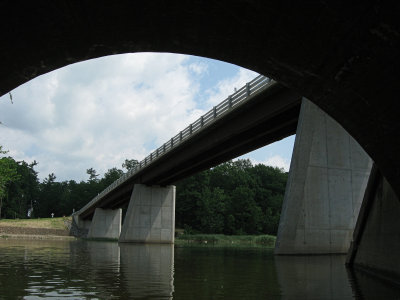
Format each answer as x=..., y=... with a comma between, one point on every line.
x=96, y=114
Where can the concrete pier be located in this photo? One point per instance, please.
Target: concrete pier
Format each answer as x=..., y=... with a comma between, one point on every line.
x=376, y=241
x=106, y=224
x=328, y=176
x=150, y=217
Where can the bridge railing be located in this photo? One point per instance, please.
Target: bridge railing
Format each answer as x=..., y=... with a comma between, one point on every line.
x=240, y=96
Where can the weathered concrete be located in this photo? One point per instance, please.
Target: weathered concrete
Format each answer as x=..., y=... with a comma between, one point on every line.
x=106, y=223
x=376, y=240
x=150, y=217
x=328, y=176
x=84, y=224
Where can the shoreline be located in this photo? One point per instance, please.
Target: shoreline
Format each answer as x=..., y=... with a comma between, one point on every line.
x=36, y=237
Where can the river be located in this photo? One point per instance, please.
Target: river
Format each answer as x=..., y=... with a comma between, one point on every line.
x=107, y=270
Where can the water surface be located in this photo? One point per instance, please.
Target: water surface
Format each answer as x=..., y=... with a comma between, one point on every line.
x=106, y=270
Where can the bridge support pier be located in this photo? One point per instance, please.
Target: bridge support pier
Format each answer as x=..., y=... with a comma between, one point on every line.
x=376, y=241
x=106, y=223
x=150, y=217
x=328, y=176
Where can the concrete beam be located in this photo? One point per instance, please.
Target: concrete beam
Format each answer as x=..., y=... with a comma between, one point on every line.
x=106, y=224
x=150, y=217
x=327, y=180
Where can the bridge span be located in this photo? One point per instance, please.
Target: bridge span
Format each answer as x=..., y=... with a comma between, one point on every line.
x=258, y=114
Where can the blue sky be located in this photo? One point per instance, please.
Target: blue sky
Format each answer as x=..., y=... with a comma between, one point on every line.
x=99, y=112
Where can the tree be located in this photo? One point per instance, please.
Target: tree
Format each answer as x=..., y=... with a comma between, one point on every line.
x=130, y=164
x=110, y=176
x=92, y=174
x=8, y=173
x=232, y=198
x=22, y=192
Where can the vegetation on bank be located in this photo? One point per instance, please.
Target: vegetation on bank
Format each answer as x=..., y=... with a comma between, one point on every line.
x=226, y=240
x=234, y=198
x=46, y=223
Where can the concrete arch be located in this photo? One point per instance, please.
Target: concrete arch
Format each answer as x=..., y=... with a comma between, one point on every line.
x=343, y=57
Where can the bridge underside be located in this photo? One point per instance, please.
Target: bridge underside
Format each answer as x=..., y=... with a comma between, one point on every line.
x=272, y=115
x=343, y=57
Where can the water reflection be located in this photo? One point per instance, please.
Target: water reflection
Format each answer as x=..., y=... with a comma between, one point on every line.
x=367, y=286
x=104, y=270
x=225, y=273
x=148, y=270
x=82, y=270
x=317, y=277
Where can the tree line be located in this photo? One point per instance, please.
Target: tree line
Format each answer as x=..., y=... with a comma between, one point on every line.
x=235, y=197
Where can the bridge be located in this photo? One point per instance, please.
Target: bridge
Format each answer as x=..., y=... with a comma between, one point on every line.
x=346, y=61
x=259, y=113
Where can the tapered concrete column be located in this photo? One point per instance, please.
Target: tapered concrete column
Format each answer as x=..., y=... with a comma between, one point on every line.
x=328, y=176
x=82, y=224
x=376, y=242
x=106, y=223
x=150, y=217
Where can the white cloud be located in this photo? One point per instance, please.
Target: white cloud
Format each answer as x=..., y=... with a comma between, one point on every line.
x=226, y=87
x=100, y=112
x=274, y=161
x=97, y=113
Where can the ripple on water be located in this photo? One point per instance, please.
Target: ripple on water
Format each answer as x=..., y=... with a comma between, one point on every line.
x=99, y=270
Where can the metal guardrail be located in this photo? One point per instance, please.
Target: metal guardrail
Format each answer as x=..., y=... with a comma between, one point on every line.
x=241, y=96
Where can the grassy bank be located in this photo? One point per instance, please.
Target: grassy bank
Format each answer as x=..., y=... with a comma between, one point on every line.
x=46, y=223
x=37, y=229
x=227, y=240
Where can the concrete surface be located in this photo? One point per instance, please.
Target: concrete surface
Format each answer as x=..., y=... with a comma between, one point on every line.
x=150, y=217
x=106, y=223
x=377, y=236
x=328, y=175
x=343, y=56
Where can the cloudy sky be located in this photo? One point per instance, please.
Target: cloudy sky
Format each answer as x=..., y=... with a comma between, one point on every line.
x=100, y=112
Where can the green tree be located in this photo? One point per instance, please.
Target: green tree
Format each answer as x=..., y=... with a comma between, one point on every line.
x=92, y=174
x=110, y=176
x=22, y=192
x=8, y=173
x=130, y=164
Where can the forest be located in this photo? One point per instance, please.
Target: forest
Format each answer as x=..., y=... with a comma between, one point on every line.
x=233, y=198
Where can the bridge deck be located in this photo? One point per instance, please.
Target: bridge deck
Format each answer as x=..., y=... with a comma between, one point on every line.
x=258, y=114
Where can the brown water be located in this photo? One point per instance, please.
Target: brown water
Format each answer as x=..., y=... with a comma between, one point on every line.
x=105, y=270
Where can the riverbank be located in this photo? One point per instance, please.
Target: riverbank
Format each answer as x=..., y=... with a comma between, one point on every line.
x=37, y=229
x=267, y=241
x=59, y=228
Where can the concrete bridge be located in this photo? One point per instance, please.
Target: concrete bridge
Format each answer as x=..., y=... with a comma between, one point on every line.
x=344, y=58
x=328, y=176
x=259, y=113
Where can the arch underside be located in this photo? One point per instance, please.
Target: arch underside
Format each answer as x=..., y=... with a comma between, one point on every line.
x=343, y=57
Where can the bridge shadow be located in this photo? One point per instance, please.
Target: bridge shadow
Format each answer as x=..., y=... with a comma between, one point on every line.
x=326, y=277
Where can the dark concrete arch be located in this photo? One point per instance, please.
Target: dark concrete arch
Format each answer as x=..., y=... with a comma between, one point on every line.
x=343, y=56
